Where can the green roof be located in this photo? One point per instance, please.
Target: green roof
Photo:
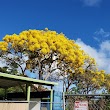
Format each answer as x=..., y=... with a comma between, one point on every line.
x=8, y=80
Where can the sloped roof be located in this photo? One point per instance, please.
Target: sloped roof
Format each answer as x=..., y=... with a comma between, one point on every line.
x=8, y=80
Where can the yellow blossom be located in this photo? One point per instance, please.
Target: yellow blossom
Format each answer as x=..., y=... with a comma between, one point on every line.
x=44, y=51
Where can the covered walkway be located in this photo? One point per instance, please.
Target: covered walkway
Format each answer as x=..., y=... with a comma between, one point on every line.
x=8, y=80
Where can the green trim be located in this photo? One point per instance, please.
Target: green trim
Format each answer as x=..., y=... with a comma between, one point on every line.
x=51, y=99
x=26, y=79
x=45, y=98
x=28, y=92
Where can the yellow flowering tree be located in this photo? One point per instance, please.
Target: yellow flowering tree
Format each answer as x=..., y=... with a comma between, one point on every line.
x=107, y=82
x=86, y=78
x=91, y=78
x=45, y=52
x=50, y=55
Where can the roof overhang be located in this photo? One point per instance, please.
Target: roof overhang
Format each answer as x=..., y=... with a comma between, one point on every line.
x=8, y=80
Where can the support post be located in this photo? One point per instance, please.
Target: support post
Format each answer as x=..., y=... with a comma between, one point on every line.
x=51, y=99
x=28, y=92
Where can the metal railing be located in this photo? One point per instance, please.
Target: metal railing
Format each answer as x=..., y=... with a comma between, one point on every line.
x=29, y=105
x=94, y=101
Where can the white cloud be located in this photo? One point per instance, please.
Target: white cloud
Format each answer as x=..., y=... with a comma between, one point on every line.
x=91, y=2
x=101, y=55
x=105, y=46
x=96, y=39
x=101, y=35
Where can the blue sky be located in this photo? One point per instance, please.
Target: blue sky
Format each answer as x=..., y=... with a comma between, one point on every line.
x=86, y=21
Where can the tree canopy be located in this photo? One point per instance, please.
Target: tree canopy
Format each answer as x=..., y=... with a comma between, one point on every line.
x=50, y=55
x=38, y=49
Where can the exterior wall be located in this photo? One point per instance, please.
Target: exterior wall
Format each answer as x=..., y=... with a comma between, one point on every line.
x=14, y=106
x=32, y=105
x=35, y=105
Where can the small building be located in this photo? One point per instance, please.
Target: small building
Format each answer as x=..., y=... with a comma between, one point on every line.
x=25, y=100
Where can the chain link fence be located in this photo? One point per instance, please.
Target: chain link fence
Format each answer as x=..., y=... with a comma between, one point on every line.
x=94, y=102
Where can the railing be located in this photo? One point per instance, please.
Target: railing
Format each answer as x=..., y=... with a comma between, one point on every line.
x=31, y=105
x=95, y=102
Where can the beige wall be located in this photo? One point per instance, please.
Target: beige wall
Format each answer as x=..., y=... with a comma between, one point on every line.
x=20, y=106
x=34, y=105
x=14, y=106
